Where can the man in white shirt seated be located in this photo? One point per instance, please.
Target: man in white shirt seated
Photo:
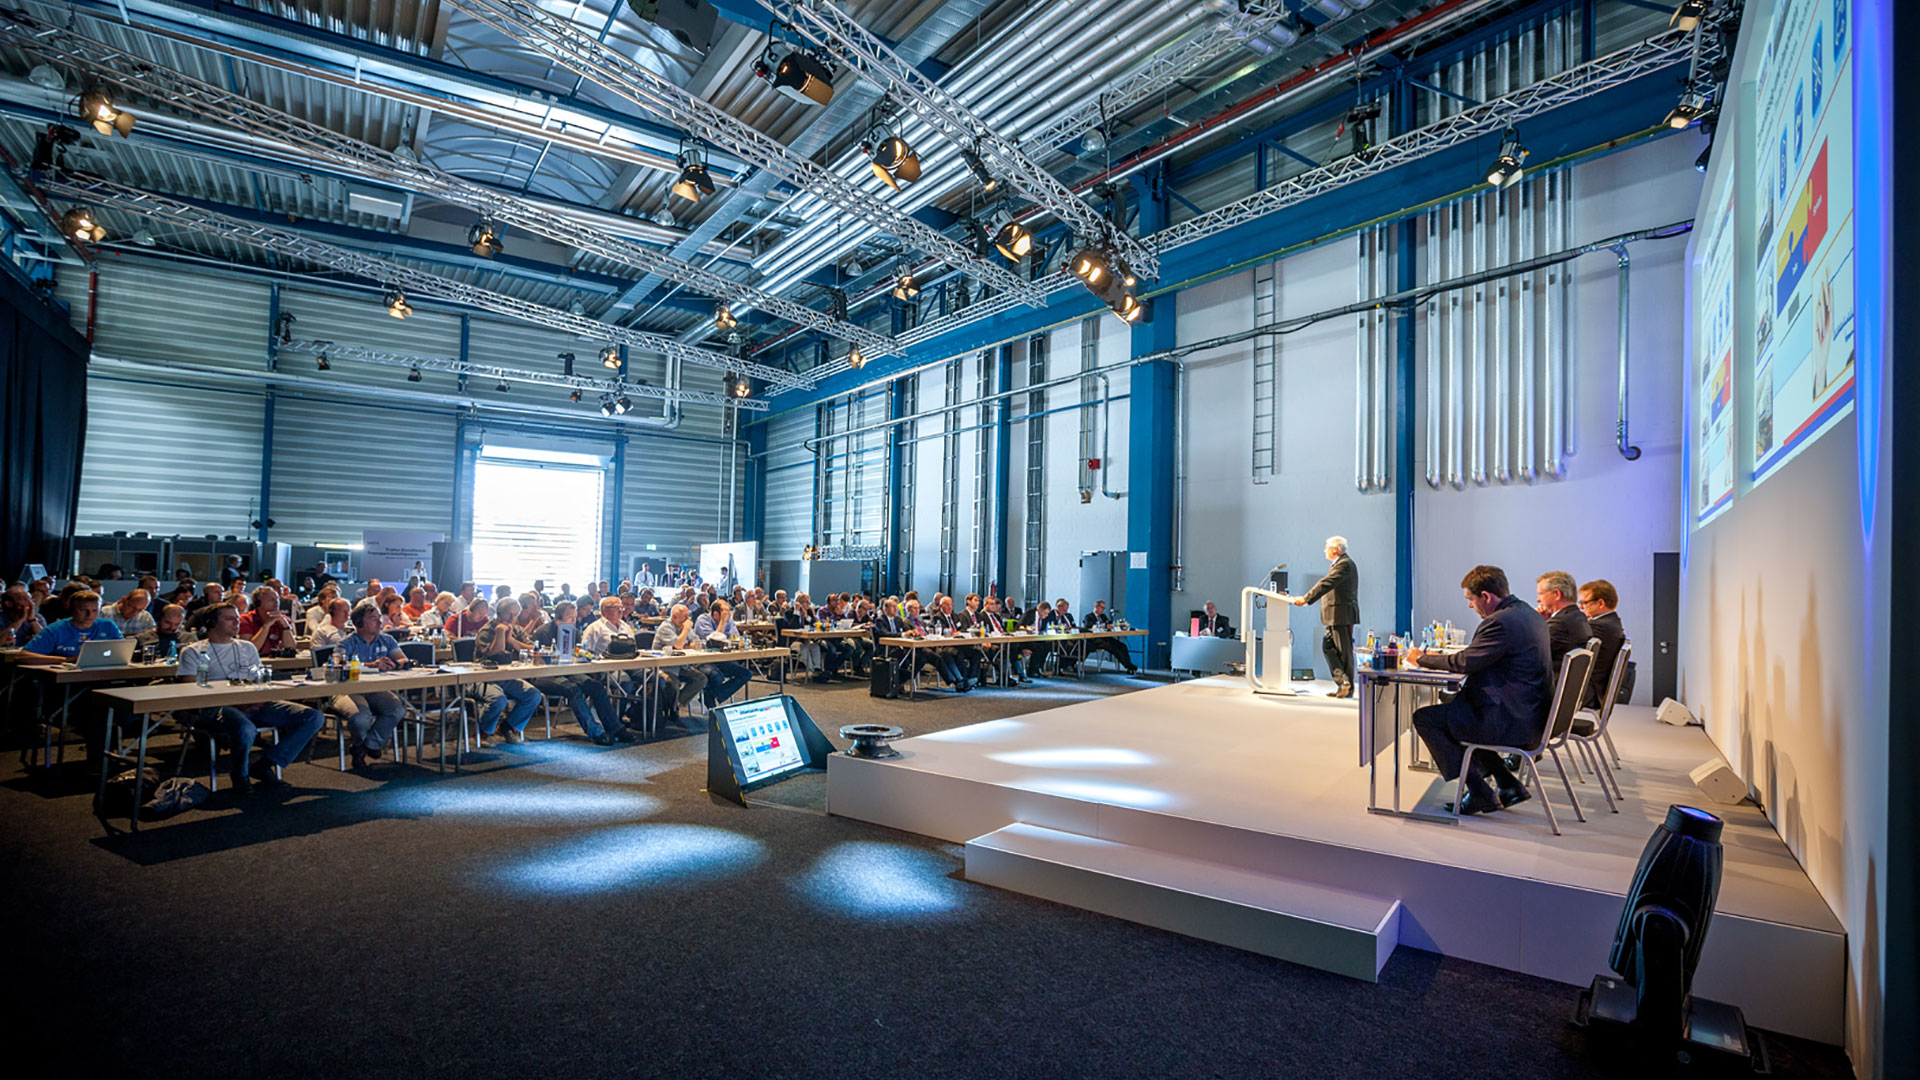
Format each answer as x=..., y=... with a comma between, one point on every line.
x=225, y=656
x=436, y=615
x=130, y=616
x=467, y=596
x=371, y=715
x=727, y=677
x=335, y=629
x=677, y=631
x=322, y=608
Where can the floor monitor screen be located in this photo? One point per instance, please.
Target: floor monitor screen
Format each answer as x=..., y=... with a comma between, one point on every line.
x=764, y=739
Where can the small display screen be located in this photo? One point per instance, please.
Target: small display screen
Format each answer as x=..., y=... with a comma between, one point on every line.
x=763, y=738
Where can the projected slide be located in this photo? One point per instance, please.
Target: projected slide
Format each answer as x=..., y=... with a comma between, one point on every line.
x=1713, y=458
x=765, y=741
x=1803, y=355
x=725, y=565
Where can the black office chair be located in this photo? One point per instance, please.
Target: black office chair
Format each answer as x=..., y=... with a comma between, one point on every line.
x=463, y=650
x=323, y=655
x=418, y=653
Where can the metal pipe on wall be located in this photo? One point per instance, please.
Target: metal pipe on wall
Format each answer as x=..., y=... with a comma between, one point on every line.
x=1477, y=345
x=1106, y=436
x=1568, y=438
x=1627, y=449
x=1362, y=348
x=1527, y=456
x=1433, y=352
x=1501, y=428
x=1381, y=369
x=1456, y=355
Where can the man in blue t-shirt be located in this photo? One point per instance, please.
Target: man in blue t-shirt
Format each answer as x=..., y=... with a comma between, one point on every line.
x=60, y=641
x=371, y=716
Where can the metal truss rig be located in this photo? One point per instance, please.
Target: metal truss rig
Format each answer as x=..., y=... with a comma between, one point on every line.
x=837, y=32
x=568, y=45
x=585, y=384
x=103, y=63
x=1654, y=54
x=98, y=192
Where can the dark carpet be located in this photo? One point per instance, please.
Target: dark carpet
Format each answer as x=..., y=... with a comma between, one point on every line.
x=566, y=910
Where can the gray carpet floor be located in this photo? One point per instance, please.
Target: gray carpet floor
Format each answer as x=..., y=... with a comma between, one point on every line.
x=565, y=910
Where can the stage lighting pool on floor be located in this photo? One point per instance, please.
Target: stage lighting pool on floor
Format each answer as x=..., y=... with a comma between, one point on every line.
x=867, y=878
x=531, y=805
x=634, y=857
x=1075, y=757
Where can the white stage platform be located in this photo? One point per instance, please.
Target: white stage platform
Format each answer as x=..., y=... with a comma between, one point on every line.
x=1209, y=775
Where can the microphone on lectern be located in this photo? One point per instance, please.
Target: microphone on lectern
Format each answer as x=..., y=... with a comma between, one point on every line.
x=1277, y=578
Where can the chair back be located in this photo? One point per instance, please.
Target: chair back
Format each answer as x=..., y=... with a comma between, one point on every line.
x=323, y=655
x=463, y=650
x=1614, y=679
x=419, y=653
x=1572, y=687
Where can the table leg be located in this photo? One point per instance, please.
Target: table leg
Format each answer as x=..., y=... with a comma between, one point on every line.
x=139, y=776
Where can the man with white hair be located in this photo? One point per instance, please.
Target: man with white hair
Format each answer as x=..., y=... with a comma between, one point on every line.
x=1339, y=596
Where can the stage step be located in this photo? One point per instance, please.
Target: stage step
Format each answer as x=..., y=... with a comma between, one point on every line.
x=1330, y=929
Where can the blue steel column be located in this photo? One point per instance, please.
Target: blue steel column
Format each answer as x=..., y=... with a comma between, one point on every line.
x=1405, y=357
x=1150, y=452
x=898, y=529
x=755, y=511
x=266, y=416
x=1002, y=446
x=619, y=497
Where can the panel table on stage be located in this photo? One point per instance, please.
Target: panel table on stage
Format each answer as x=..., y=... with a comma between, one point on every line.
x=1214, y=655
x=1000, y=646
x=1387, y=701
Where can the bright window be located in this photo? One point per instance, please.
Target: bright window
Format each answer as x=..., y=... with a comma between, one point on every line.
x=536, y=516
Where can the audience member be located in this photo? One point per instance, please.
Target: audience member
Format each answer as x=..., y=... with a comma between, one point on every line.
x=60, y=641
x=130, y=616
x=335, y=629
x=586, y=695
x=1099, y=619
x=20, y=622
x=726, y=678
x=500, y=642
x=417, y=603
x=265, y=628
x=169, y=633
x=1598, y=599
x=1567, y=628
x=371, y=715
x=225, y=656
x=677, y=631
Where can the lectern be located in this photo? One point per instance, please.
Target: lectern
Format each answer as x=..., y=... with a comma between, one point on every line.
x=1269, y=646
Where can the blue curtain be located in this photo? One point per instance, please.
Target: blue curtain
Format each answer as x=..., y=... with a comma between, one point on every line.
x=43, y=429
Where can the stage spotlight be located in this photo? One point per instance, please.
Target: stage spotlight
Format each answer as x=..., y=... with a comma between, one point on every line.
x=737, y=386
x=47, y=77
x=1687, y=15
x=989, y=183
x=576, y=307
x=891, y=159
x=78, y=224
x=695, y=181
x=723, y=318
x=622, y=405
x=906, y=288
x=414, y=375
x=1093, y=266
x=856, y=359
x=503, y=386
x=397, y=305
x=799, y=75
x=606, y=404
x=323, y=364
x=575, y=396
x=96, y=108
x=1128, y=307
x=484, y=239
x=1014, y=240
x=566, y=363
x=1507, y=168
x=610, y=357
x=1706, y=155
x=664, y=218
x=1692, y=106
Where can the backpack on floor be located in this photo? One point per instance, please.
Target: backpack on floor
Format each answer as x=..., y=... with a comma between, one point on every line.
x=884, y=681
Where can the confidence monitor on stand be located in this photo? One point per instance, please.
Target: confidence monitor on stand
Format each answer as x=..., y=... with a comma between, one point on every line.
x=1269, y=647
x=761, y=741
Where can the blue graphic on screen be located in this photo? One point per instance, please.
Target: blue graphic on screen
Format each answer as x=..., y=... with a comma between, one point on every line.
x=1819, y=72
x=1839, y=29
x=1799, y=122
x=763, y=738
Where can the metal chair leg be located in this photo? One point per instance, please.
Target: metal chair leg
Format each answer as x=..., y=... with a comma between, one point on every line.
x=1598, y=765
x=1568, y=784
x=1607, y=736
x=1552, y=821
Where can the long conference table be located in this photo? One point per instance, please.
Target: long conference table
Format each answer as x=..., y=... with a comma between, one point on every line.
x=1074, y=645
x=145, y=704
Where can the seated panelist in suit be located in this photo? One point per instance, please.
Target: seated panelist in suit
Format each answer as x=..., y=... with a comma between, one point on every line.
x=1505, y=698
x=1567, y=628
x=1339, y=596
x=1598, y=598
x=1214, y=623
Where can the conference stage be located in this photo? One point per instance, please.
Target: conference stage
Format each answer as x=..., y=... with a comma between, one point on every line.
x=1204, y=808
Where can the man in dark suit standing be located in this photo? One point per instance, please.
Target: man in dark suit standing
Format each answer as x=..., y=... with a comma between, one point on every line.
x=1339, y=596
x=1505, y=698
x=1598, y=598
x=1567, y=629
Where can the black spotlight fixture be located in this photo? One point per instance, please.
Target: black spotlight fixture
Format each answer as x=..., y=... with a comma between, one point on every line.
x=1508, y=167
x=323, y=364
x=484, y=239
x=723, y=317
x=1359, y=122
x=413, y=375
x=836, y=304
x=606, y=404
x=1687, y=15
x=78, y=224
x=566, y=365
x=1093, y=266
x=50, y=144
x=1647, y=1008
x=797, y=73
x=695, y=180
x=906, y=288
x=737, y=385
x=503, y=385
x=96, y=107
x=397, y=305
x=610, y=358
x=856, y=359
x=575, y=396
x=622, y=405
x=977, y=165
x=1692, y=106
x=1013, y=239
x=892, y=160
x=1108, y=277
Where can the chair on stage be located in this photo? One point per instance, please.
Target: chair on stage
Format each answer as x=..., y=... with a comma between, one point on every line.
x=1572, y=686
x=1589, y=732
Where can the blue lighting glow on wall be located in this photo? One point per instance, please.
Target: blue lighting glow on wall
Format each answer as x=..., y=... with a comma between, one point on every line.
x=868, y=878
x=1872, y=180
x=632, y=857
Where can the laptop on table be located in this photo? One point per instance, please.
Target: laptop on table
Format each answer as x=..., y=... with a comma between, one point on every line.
x=104, y=654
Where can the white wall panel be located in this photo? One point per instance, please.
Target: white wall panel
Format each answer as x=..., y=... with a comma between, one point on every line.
x=676, y=497
x=340, y=469
x=146, y=310
x=789, y=486
x=167, y=459
x=1074, y=526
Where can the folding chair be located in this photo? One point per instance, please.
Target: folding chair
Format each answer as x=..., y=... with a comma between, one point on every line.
x=1572, y=685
